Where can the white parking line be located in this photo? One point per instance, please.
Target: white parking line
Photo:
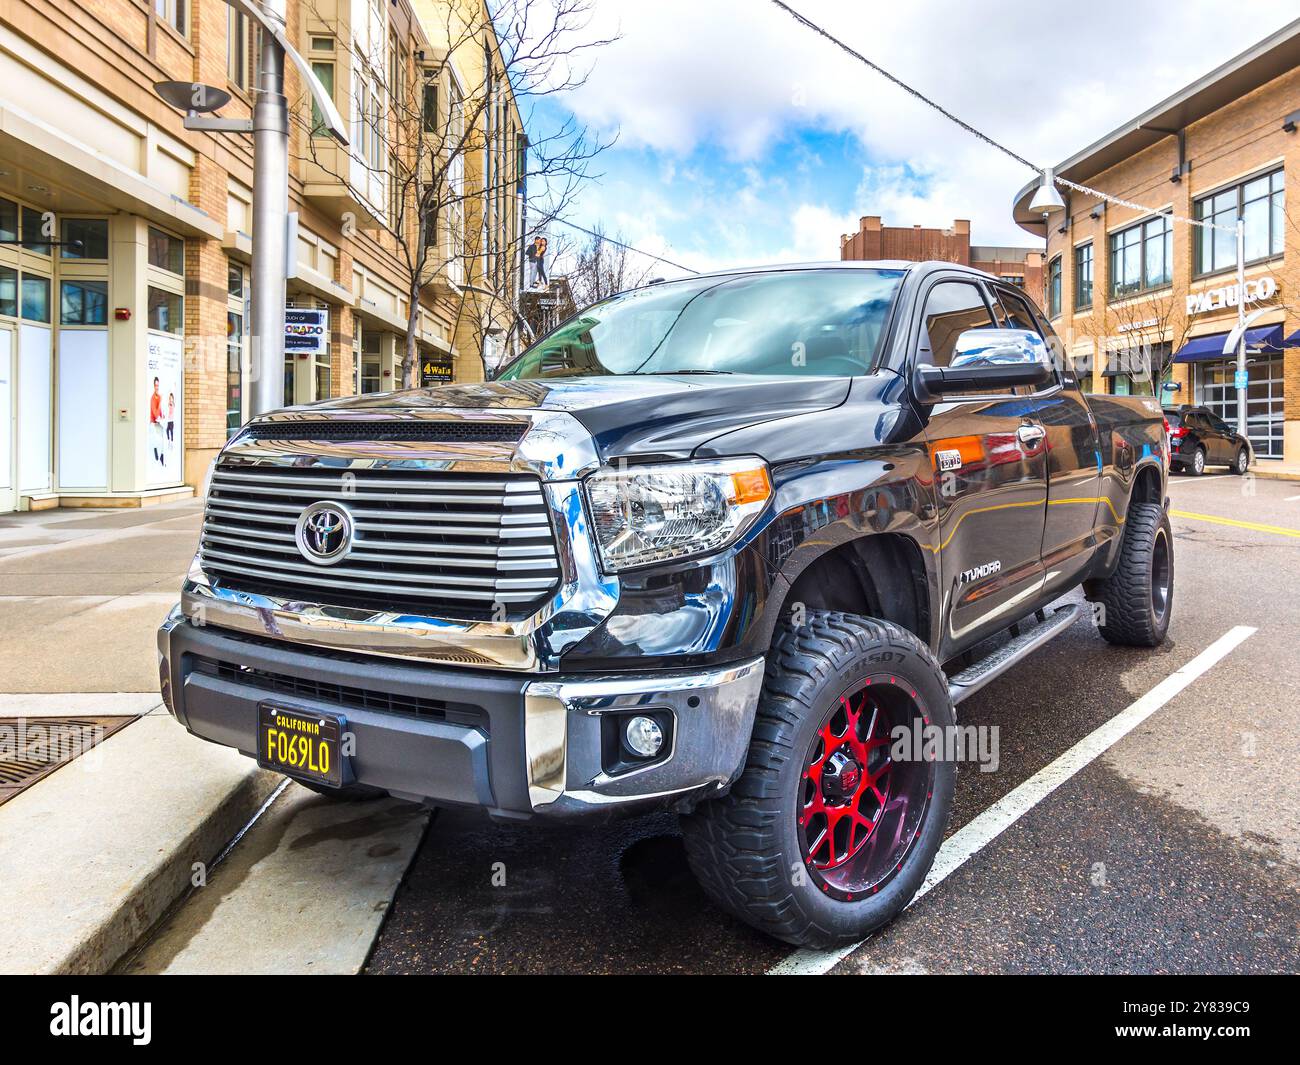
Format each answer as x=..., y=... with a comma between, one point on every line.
x=1200, y=480
x=1290, y=499
x=1004, y=813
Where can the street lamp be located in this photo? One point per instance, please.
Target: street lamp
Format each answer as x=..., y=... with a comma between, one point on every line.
x=1046, y=198
x=270, y=130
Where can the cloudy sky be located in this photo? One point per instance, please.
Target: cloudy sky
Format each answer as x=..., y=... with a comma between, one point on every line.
x=745, y=138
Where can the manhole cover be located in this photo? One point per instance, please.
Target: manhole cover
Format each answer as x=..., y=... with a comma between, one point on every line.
x=34, y=747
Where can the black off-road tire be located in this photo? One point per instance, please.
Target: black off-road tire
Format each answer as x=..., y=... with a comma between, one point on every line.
x=745, y=847
x=1241, y=462
x=1135, y=611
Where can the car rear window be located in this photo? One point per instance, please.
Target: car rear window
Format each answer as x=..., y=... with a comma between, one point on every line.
x=1173, y=418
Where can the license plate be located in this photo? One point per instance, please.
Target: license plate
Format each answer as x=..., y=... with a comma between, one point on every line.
x=300, y=743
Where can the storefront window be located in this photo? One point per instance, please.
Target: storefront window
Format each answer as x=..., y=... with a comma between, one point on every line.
x=288, y=380
x=234, y=375
x=1083, y=276
x=8, y=291
x=38, y=230
x=36, y=298
x=322, y=369
x=166, y=252
x=165, y=311
x=83, y=303
x=372, y=372
x=1261, y=204
x=8, y=220
x=85, y=238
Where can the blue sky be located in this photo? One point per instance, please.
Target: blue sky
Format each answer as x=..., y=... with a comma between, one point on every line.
x=745, y=138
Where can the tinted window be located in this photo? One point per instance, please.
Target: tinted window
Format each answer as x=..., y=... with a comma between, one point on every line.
x=825, y=323
x=951, y=307
x=1017, y=312
x=1173, y=418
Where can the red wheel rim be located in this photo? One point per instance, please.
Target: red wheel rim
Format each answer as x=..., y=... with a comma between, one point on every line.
x=861, y=808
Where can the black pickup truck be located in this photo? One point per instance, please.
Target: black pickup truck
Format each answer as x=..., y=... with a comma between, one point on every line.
x=720, y=545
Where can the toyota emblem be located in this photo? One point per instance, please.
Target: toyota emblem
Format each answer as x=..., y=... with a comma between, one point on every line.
x=324, y=533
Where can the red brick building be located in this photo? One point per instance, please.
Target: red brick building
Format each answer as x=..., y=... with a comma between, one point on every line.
x=874, y=240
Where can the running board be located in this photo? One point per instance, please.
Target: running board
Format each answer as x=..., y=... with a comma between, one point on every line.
x=971, y=679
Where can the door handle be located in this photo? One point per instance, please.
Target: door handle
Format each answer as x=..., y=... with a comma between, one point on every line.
x=1031, y=435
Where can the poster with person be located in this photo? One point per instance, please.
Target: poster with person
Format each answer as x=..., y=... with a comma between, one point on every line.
x=164, y=404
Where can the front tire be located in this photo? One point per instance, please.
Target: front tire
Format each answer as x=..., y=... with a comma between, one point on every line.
x=1241, y=463
x=1138, y=597
x=827, y=834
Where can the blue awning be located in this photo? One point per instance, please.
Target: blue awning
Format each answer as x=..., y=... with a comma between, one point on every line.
x=1267, y=338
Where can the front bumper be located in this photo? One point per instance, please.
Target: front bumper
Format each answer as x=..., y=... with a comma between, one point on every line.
x=514, y=744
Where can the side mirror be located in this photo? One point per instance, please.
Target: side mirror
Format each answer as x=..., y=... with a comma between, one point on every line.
x=987, y=360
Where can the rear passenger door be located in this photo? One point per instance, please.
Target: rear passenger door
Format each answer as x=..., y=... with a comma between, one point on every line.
x=990, y=474
x=1073, y=457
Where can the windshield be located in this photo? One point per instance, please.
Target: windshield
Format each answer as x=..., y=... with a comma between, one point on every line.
x=821, y=323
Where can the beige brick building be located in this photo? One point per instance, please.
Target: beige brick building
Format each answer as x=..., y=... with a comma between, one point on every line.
x=875, y=240
x=1123, y=283
x=125, y=244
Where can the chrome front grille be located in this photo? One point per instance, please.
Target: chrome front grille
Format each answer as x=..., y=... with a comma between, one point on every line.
x=462, y=546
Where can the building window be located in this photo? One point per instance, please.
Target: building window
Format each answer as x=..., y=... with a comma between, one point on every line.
x=237, y=48
x=235, y=280
x=166, y=252
x=1261, y=203
x=85, y=238
x=172, y=12
x=325, y=72
x=38, y=230
x=8, y=292
x=1054, y=288
x=36, y=298
x=8, y=220
x=1083, y=277
x=1014, y=279
x=1141, y=257
x=430, y=105
x=234, y=372
x=165, y=311
x=83, y=303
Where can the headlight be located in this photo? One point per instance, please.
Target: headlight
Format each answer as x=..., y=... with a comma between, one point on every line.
x=646, y=514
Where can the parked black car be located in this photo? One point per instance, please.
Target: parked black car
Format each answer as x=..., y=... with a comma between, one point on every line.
x=1198, y=438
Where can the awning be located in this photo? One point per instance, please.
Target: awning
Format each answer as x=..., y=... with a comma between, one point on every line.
x=1267, y=338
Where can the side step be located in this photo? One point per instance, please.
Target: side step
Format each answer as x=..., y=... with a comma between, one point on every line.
x=971, y=679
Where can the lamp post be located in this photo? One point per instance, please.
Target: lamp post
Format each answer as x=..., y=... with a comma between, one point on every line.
x=270, y=130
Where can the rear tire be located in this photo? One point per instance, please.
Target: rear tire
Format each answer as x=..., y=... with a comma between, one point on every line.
x=1138, y=597
x=769, y=852
x=1197, y=466
x=1241, y=462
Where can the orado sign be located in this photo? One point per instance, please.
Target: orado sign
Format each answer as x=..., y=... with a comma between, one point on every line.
x=1218, y=299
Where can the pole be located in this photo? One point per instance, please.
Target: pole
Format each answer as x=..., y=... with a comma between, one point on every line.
x=1241, y=325
x=270, y=221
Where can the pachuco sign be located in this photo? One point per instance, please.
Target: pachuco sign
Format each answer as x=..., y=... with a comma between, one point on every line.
x=1218, y=299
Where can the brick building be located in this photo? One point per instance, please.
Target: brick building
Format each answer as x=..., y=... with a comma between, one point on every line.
x=1125, y=286
x=124, y=238
x=873, y=240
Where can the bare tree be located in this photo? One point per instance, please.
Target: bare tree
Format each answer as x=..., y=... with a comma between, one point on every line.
x=602, y=267
x=438, y=148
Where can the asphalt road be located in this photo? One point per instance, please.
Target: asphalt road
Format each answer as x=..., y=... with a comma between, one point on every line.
x=1176, y=850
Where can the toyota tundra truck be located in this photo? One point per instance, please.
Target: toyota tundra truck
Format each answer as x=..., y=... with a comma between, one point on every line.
x=716, y=545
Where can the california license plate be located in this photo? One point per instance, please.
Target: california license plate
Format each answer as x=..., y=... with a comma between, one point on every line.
x=300, y=743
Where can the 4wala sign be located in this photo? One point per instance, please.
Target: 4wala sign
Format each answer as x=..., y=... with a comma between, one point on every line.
x=1258, y=290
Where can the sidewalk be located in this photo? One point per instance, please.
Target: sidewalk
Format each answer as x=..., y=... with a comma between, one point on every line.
x=96, y=851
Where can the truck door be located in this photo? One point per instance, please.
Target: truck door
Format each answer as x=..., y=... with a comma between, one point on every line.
x=989, y=460
x=1073, y=458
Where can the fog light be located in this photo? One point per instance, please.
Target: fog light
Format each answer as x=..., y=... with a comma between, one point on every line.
x=643, y=736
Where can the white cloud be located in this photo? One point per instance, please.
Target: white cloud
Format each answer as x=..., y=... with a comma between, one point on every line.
x=736, y=76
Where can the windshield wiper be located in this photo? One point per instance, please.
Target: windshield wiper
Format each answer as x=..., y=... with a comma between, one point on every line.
x=666, y=373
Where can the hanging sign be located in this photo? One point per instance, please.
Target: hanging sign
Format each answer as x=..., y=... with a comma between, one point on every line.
x=306, y=332
x=433, y=373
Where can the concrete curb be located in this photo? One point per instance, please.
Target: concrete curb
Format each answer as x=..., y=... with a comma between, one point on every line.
x=102, y=848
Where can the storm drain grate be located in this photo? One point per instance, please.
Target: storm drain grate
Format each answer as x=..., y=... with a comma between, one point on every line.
x=32, y=748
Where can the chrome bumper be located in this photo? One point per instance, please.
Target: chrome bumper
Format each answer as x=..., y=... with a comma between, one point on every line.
x=524, y=746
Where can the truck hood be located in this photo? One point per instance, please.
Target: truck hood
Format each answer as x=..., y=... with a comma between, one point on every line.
x=642, y=417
